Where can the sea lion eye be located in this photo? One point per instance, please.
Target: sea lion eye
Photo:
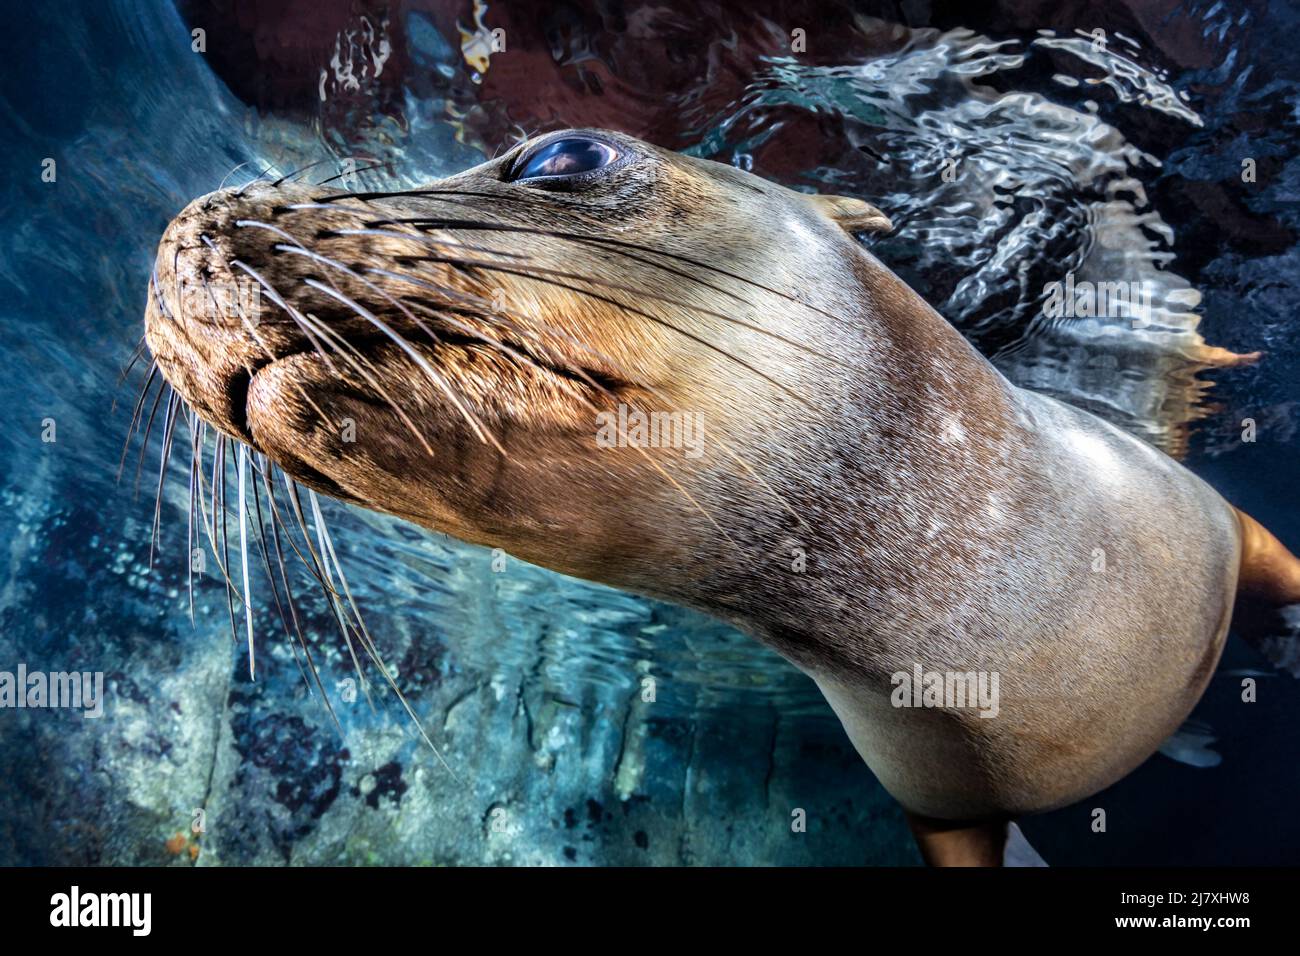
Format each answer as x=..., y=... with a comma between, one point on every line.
x=571, y=156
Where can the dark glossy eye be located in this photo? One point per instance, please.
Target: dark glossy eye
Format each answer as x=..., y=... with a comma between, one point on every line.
x=571, y=156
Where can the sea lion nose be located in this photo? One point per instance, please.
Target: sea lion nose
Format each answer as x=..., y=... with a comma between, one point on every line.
x=202, y=311
x=200, y=281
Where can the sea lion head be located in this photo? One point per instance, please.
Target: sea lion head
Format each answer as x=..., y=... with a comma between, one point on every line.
x=604, y=357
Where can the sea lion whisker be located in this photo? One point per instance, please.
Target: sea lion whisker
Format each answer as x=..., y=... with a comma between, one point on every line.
x=519, y=322
x=137, y=353
x=596, y=385
x=176, y=278
x=480, y=303
x=657, y=393
x=144, y=442
x=242, y=467
x=439, y=195
x=299, y=171
x=359, y=211
x=645, y=293
x=219, y=494
x=430, y=240
x=189, y=514
x=354, y=172
x=439, y=380
x=362, y=366
x=260, y=525
x=745, y=465
x=217, y=530
x=196, y=466
x=246, y=596
x=316, y=564
x=255, y=179
x=293, y=313
x=210, y=528
x=135, y=415
x=278, y=520
x=578, y=370
x=485, y=436
x=364, y=634
x=487, y=308
x=335, y=600
x=644, y=314
x=288, y=592
x=163, y=308
x=658, y=320
x=734, y=455
x=233, y=170
x=221, y=507
x=251, y=328
x=373, y=194
x=216, y=494
x=169, y=425
x=618, y=245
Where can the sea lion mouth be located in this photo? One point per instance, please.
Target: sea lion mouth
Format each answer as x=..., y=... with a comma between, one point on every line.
x=381, y=351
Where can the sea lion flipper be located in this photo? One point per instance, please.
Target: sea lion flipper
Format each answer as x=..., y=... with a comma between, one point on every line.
x=1273, y=631
x=1267, y=614
x=960, y=843
x=1269, y=571
x=1018, y=851
x=985, y=843
x=851, y=214
x=1191, y=745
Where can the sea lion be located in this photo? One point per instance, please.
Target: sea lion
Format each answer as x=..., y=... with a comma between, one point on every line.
x=486, y=356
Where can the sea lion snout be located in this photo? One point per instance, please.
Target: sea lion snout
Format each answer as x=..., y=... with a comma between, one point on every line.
x=197, y=308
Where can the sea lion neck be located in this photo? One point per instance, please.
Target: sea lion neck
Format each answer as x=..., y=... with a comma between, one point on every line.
x=896, y=479
x=921, y=344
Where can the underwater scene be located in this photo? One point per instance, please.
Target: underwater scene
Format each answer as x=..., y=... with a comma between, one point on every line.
x=522, y=716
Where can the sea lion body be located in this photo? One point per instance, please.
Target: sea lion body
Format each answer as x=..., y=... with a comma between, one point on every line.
x=875, y=498
x=1100, y=595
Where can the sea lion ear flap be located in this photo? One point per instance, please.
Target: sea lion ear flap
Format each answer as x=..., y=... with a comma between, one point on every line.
x=852, y=215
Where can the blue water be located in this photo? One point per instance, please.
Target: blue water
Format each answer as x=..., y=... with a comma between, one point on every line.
x=1125, y=160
